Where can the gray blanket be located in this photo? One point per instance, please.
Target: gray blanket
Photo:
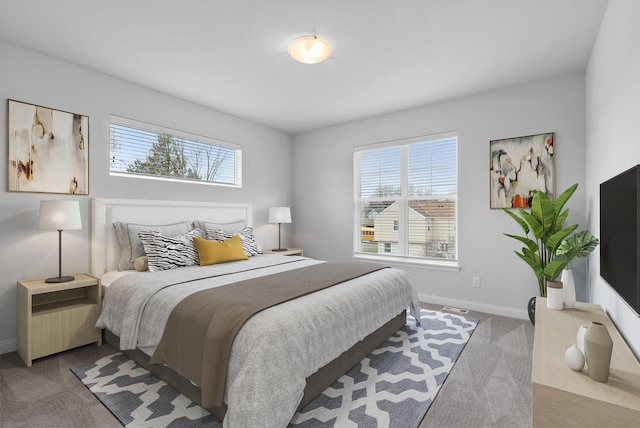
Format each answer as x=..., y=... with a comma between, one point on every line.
x=201, y=329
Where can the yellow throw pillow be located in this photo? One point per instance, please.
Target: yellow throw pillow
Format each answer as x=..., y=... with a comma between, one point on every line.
x=213, y=252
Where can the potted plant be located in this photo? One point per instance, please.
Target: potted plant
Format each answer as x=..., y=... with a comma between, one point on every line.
x=550, y=248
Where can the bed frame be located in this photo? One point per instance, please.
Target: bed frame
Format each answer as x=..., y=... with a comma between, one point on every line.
x=105, y=254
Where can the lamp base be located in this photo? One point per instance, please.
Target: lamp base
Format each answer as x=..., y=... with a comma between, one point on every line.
x=57, y=279
x=280, y=249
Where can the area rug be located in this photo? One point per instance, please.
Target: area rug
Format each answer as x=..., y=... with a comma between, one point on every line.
x=391, y=387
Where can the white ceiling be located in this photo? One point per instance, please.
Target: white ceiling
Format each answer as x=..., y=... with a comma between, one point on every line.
x=387, y=55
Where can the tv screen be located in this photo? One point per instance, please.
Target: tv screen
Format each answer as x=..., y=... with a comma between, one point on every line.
x=620, y=235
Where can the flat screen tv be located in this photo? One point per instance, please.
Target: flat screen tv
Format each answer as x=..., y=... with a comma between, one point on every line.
x=620, y=235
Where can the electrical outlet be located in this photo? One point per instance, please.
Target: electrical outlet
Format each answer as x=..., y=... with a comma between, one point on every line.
x=476, y=281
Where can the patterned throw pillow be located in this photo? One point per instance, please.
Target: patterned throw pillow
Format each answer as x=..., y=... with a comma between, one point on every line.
x=249, y=244
x=169, y=252
x=130, y=245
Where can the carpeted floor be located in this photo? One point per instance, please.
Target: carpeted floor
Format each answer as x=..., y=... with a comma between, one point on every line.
x=490, y=385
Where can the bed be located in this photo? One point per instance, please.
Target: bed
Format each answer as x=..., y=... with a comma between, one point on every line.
x=283, y=356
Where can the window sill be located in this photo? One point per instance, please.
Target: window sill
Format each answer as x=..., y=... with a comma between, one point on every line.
x=175, y=180
x=449, y=266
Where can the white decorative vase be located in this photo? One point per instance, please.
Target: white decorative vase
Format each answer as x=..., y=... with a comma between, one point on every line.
x=568, y=288
x=598, y=346
x=574, y=358
x=580, y=337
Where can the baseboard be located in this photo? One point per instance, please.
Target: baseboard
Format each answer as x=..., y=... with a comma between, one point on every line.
x=504, y=311
x=7, y=346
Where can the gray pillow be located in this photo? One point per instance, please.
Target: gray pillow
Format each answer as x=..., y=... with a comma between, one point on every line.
x=232, y=227
x=130, y=245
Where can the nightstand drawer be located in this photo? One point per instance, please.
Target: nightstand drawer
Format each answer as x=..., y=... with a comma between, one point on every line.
x=62, y=329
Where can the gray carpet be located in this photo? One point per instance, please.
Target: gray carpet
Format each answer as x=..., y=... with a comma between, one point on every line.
x=490, y=386
x=392, y=387
x=49, y=395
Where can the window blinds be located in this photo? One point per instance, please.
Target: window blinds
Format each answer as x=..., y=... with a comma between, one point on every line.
x=405, y=196
x=154, y=152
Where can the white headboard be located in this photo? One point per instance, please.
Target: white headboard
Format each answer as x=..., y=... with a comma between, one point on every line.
x=105, y=251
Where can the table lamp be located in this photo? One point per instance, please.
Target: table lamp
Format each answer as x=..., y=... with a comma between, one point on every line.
x=60, y=215
x=279, y=215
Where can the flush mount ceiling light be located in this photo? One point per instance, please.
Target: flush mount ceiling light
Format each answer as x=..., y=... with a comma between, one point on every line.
x=309, y=50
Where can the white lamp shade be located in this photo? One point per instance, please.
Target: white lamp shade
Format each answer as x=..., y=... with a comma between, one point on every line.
x=279, y=215
x=60, y=215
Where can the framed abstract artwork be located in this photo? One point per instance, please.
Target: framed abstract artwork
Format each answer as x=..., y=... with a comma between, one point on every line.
x=519, y=167
x=48, y=150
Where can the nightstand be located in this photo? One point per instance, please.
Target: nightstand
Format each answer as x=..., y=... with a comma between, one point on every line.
x=56, y=317
x=289, y=252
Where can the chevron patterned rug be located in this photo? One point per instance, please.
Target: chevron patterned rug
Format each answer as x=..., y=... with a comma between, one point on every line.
x=391, y=387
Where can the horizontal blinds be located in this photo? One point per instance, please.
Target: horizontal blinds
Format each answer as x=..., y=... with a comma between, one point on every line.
x=147, y=150
x=380, y=172
x=406, y=197
x=433, y=167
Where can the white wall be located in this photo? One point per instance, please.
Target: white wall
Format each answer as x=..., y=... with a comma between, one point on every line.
x=26, y=252
x=323, y=186
x=613, y=135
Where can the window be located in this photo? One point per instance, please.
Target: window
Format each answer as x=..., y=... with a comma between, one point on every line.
x=149, y=151
x=406, y=194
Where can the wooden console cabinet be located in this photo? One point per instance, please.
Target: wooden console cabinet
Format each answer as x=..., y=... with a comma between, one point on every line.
x=561, y=397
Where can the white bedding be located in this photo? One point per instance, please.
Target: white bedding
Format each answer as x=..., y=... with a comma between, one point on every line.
x=278, y=348
x=112, y=275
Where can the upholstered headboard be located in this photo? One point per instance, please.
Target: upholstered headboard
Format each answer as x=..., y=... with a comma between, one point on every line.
x=105, y=251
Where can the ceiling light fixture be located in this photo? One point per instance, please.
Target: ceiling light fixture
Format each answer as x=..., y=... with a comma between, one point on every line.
x=309, y=50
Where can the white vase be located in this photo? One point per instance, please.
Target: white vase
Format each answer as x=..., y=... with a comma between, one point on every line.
x=580, y=337
x=574, y=358
x=568, y=288
x=597, y=351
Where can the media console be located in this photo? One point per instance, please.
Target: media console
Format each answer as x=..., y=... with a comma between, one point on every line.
x=563, y=397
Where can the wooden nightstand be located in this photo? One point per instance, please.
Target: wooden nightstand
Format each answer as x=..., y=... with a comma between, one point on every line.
x=289, y=252
x=57, y=317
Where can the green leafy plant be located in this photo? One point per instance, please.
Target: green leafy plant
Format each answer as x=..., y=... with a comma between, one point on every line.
x=550, y=248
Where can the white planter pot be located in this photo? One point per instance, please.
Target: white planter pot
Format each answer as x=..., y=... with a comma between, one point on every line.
x=554, y=295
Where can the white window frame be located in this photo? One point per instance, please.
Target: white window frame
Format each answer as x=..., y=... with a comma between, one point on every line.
x=180, y=134
x=444, y=264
